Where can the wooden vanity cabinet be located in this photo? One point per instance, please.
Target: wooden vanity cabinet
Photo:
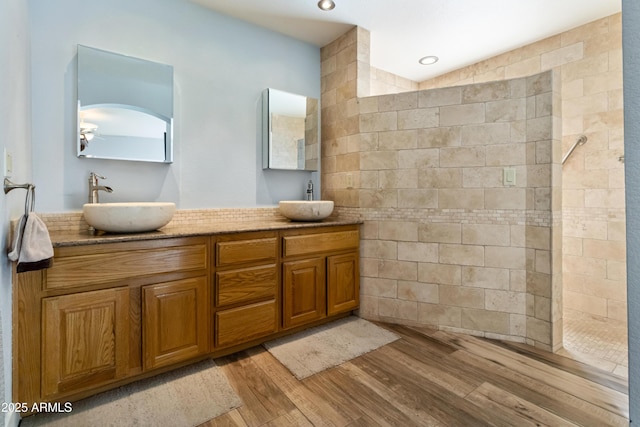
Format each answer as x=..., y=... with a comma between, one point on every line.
x=109, y=313
x=320, y=274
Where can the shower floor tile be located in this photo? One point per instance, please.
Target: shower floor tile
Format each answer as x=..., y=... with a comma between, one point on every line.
x=596, y=341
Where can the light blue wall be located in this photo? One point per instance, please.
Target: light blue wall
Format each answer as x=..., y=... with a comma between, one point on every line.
x=15, y=137
x=631, y=67
x=221, y=66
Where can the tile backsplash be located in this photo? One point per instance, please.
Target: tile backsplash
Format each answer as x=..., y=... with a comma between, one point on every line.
x=74, y=221
x=71, y=221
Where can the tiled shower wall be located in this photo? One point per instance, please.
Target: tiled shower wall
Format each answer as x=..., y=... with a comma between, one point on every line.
x=385, y=83
x=589, y=59
x=445, y=242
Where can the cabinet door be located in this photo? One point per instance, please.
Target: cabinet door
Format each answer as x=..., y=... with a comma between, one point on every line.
x=175, y=318
x=343, y=283
x=304, y=292
x=85, y=340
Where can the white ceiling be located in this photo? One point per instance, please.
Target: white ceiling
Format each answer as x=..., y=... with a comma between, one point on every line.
x=459, y=32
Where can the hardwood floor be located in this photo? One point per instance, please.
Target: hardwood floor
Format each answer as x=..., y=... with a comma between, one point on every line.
x=428, y=378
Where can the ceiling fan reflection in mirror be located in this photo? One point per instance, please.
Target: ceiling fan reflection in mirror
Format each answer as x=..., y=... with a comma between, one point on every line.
x=87, y=133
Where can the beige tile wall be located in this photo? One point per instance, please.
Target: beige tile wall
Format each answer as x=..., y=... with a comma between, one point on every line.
x=342, y=62
x=384, y=83
x=312, y=136
x=445, y=243
x=590, y=61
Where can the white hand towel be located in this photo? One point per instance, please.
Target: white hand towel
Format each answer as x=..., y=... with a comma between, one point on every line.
x=17, y=239
x=32, y=245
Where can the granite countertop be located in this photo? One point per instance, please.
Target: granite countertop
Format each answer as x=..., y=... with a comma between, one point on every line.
x=78, y=238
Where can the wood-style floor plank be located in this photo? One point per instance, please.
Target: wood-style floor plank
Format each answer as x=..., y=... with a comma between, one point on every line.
x=447, y=407
x=485, y=367
x=292, y=419
x=334, y=383
x=574, y=366
x=419, y=415
x=518, y=411
x=427, y=378
x=263, y=398
x=597, y=394
x=318, y=411
x=230, y=419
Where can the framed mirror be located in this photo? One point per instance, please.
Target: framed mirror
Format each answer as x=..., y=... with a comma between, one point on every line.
x=125, y=107
x=291, y=131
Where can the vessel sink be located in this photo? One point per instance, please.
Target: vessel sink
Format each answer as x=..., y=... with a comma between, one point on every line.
x=129, y=217
x=306, y=210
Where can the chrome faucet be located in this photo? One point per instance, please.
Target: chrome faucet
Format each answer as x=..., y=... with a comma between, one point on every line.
x=94, y=187
x=310, y=190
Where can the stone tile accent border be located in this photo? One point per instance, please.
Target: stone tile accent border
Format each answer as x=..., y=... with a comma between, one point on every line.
x=74, y=221
x=71, y=221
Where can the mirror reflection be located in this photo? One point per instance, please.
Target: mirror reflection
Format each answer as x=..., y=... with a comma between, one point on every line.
x=291, y=139
x=125, y=107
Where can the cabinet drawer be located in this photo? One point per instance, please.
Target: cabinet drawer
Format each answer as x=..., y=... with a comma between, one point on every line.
x=93, y=268
x=321, y=242
x=251, y=250
x=243, y=324
x=246, y=285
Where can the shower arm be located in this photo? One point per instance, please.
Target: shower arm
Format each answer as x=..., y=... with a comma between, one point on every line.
x=581, y=140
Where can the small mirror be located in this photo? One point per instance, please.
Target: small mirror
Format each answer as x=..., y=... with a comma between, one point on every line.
x=291, y=131
x=125, y=107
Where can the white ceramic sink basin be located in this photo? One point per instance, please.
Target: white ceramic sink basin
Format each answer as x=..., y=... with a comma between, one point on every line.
x=306, y=210
x=130, y=217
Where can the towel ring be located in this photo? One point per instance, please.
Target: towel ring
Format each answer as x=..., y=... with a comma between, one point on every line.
x=9, y=186
x=30, y=199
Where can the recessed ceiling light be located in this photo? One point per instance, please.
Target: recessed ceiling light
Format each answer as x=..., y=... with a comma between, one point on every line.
x=326, y=4
x=428, y=60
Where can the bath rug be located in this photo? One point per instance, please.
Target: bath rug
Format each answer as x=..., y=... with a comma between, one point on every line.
x=185, y=397
x=316, y=349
